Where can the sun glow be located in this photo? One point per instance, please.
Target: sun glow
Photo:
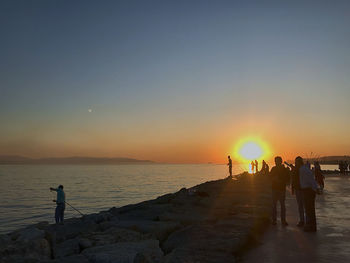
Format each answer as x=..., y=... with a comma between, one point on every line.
x=251, y=148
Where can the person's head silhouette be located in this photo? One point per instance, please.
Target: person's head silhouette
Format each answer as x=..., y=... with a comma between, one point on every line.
x=278, y=160
x=299, y=161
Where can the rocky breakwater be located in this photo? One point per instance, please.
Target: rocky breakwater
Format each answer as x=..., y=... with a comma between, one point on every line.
x=212, y=222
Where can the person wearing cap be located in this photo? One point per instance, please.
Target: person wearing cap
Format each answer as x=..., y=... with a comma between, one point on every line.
x=61, y=204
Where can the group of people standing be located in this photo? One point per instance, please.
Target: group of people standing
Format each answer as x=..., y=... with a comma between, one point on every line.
x=304, y=187
x=343, y=167
x=254, y=166
x=305, y=184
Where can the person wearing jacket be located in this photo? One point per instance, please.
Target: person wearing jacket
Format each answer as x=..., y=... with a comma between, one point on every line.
x=279, y=176
x=296, y=189
x=308, y=186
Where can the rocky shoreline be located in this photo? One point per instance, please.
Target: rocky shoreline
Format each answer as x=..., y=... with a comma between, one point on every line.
x=212, y=222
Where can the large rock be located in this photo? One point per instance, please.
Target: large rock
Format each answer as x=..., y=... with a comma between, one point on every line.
x=158, y=229
x=84, y=243
x=164, y=199
x=204, y=237
x=144, y=211
x=71, y=229
x=126, y=252
x=187, y=217
x=187, y=255
x=4, y=240
x=99, y=217
x=27, y=251
x=71, y=259
x=17, y=259
x=113, y=235
x=30, y=234
x=67, y=248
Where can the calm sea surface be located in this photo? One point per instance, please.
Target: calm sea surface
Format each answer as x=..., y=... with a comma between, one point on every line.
x=25, y=197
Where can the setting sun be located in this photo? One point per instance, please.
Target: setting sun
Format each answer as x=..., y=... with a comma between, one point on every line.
x=251, y=149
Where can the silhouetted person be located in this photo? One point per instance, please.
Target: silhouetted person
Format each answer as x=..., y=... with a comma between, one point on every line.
x=309, y=187
x=252, y=166
x=264, y=168
x=229, y=165
x=318, y=175
x=280, y=178
x=346, y=166
x=256, y=166
x=296, y=189
x=341, y=167
x=60, y=202
x=267, y=169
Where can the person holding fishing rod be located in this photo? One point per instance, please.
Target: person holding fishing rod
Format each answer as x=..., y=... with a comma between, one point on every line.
x=61, y=204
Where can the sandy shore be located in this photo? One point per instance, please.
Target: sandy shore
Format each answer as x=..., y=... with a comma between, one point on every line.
x=212, y=222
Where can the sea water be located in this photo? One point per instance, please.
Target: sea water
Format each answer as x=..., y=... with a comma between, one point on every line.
x=25, y=197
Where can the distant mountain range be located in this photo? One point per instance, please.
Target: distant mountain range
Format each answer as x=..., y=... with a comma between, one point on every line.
x=70, y=160
x=331, y=159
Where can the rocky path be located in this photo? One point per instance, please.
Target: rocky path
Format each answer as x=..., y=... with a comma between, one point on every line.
x=330, y=244
x=212, y=222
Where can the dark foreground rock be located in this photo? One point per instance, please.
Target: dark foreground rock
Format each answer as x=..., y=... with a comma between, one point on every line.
x=212, y=222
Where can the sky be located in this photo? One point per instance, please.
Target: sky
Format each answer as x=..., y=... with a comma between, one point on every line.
x=174, y=81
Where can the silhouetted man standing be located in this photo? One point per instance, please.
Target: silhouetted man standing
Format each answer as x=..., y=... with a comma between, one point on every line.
x=252, y=166
x=308, y=186
x=60, y=201
x=229, y=165
x=280, y=178
x=296, y=189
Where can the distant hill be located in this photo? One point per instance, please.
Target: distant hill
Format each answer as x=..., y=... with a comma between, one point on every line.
x=70, y=160
x=331, y=159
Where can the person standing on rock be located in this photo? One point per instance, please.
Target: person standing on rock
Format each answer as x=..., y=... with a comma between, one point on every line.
x=252, y=166
x=279, y=179
x=229, y=165
x=309, y=187
x=265, y=168
x=61, y=204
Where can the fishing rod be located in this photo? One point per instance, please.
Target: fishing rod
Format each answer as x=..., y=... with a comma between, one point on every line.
x=74, y=208
x=69, y=205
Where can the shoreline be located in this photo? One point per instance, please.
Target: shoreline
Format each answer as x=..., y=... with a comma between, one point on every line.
x=210, y=222
x=215, y=221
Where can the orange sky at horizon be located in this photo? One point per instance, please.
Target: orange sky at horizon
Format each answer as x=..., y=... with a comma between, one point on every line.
x=208, y=144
